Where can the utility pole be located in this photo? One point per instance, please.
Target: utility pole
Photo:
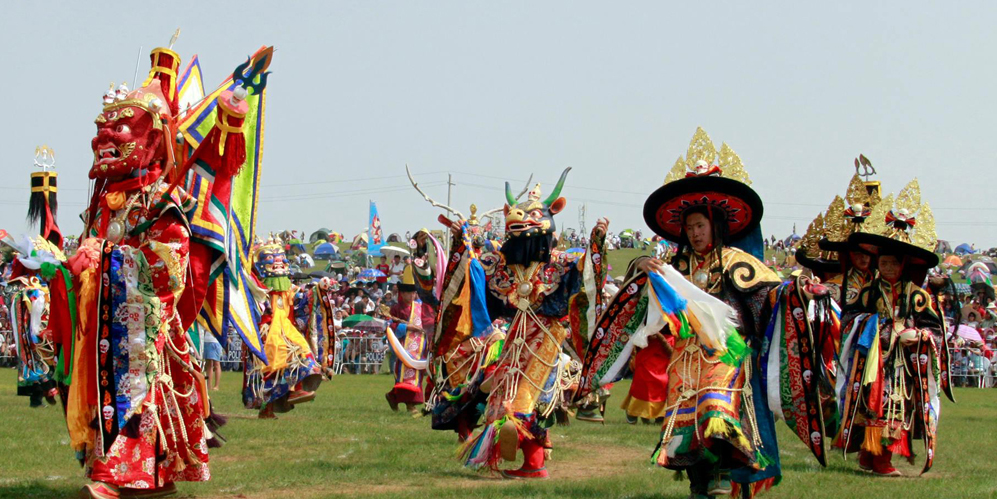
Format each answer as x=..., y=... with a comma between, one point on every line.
x=581, y=221
x=449, y=185
x=446, y=237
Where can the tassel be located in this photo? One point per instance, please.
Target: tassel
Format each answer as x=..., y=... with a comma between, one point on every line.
x=872, y=442
x=737, y=350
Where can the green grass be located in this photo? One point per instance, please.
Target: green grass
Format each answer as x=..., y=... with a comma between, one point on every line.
x=349, y=444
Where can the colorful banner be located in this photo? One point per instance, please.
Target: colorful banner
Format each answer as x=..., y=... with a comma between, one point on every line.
x=190, y=87
x=225, y=219
x=375, y=236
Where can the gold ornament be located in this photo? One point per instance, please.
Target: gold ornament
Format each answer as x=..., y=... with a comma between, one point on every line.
x=701, y=148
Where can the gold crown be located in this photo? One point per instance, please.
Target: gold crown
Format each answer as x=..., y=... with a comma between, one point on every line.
x=701, y=148
x=826, y=224
x=271, y=245
x=918, y=227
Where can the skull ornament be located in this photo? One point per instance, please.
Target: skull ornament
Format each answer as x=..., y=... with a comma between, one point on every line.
x=108, y=412
x=104, y=346
x=807, y=375
x=815, y=437
x=632, y=288
x=923, y=359
x=798, y=313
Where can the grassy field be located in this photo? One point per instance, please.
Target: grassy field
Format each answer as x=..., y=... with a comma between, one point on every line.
x=349, y=444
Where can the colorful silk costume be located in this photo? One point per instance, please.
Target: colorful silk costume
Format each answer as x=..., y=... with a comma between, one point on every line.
x=537, y=288
x=137, y=401
x=291, y=374
x=894, y=357
x=714, y=306
x=321, y=325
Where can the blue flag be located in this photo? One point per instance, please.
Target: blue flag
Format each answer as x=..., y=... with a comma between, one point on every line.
x=375, y=236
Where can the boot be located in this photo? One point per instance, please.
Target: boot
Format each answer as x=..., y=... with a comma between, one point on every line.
x=699, y=478
x=631, y=419
x=882, y=466
x=164, y=491
x=390, y=396
x=300, y=397
x=590, y=414
x=533, y=461
x=50, y=396
x=267, y=412
x=719, y=484
x=98, y=490
x=865, y=460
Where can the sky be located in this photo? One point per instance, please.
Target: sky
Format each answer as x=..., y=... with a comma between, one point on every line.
x=495, y=91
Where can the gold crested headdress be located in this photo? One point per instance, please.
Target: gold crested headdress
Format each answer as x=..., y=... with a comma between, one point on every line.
x=702, y=153
x=908, y=219
x=708, y=178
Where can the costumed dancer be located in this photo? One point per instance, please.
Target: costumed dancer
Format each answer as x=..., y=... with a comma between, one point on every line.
x=410, y=326
x=893, y=357
x=291, y=374
x=712, y=300
x=799, y=366
x=38, y=363
x=321, y=323
x=537, y=290
x=137, y=401
x=862, y=202
x=36, y=344
x=464, y=347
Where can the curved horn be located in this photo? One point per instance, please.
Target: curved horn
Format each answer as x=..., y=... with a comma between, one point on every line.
x=526, y=187
x=403, y=355
x=434, y=203
x=557, y=190
x=508, y=195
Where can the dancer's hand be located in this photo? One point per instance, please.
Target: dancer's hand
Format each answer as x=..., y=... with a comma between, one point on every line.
x=649, y=265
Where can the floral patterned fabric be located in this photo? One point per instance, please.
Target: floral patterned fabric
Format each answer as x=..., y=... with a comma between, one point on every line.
x=156, y=400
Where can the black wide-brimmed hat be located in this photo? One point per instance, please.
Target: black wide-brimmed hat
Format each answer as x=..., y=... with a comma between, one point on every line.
x=894, y=245
x=665, y=208
x=817, y=264
x=696, y=181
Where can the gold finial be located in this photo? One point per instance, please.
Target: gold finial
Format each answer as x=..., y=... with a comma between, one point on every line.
x=176, y=34
x=864, y=167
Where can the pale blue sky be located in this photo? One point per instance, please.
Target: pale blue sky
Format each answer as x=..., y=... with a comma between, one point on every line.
x=491, y=90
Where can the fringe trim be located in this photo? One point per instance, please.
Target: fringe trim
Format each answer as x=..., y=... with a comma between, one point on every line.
x=717, y=427
x=900, y=445
x=872, y=443
x=483, y=449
